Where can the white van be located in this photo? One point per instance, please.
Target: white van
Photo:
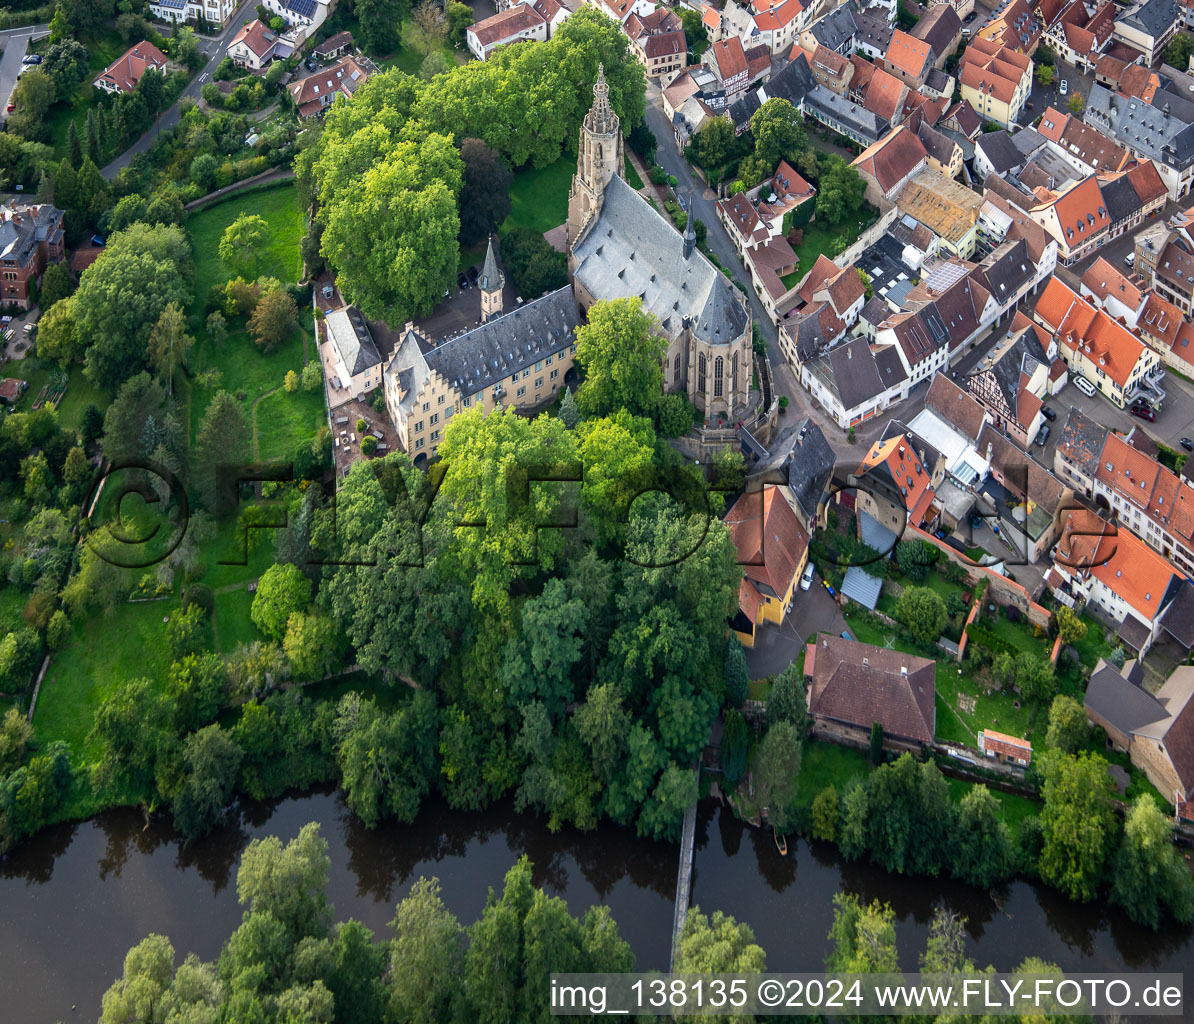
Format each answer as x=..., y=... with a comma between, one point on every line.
x=1085, y=386
x=806, y=580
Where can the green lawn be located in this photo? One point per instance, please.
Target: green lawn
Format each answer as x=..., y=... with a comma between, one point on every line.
x=1018, y=634
x=282, y=420
x=409, y=58
x=1093, y=646
x=232, y=622
x=539, y=198
x=1015, y=808
x=632, y=178
x=819, y=238
x=826, y=764
x=246, y=373
x=225, y=550
x=991, y=711
x=12, y=604
x=279, y=206
x=103, y=652
x=79, y=392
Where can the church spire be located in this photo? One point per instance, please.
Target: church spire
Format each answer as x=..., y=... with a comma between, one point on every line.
x=601, y=119
x=492, y=281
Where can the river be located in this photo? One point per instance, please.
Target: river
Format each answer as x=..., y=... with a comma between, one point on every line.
x=76, y=897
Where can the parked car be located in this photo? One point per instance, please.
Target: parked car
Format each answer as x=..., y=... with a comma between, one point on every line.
x=806, y=580
x=1085, y=386
x=11, y=107
x=1143, y=412
x=1187, y=444
x=31, y=58
x=473, y=274
x=1065, y=87
x=1042, y=435
x=1130, y=259
x=1049, y=414
x=847, y=635
x=461, y=281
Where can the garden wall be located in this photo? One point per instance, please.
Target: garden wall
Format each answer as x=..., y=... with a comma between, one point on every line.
x=887, y=215
x=1000, y=589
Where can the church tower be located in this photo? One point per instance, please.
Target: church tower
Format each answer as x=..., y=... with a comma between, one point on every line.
x=601, y=157
x=491, y=282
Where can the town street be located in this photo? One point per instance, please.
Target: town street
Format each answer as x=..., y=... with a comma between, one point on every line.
x=216, y=49
x=15, y=42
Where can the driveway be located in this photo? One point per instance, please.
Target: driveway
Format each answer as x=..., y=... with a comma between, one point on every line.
x=216, y=49
x=15, y=42
x=1174, y=421
x=776, y=647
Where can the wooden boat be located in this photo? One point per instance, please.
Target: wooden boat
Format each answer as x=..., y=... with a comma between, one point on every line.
x=781, y=843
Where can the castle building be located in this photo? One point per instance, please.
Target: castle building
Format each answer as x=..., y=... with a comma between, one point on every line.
x=620, y=246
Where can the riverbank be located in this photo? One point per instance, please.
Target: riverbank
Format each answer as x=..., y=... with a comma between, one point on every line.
x=78, y=896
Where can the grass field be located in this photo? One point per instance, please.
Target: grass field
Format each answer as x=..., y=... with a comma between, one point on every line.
x=233, y=625
x=103, y=652
x=539, y=198
x=1015, y=808
x=825, y=764
x=283, y=420
x=819, y=238
x=227, y=548
x=280, y=258
x=632, y=178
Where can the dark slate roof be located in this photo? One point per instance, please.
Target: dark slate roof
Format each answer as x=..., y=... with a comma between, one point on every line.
x=1179, y=618
x=940, y=147
x=508, y=343
x=633, y=250
x=867, y=124
x=883, y=262
x=937, y=80
x=491, y=277
x=1082, y=440
x=838, y=29
x=1149, y=129
x=927, y=454
x=809, y=337
x=855, y=373
x=1153, y=17
x=741, y=111
x=1123, y=704
x=793, y=82
x=1120, y=198
x=1010, y=271
x=1000, y=151
x=891, y=370
x=334, y=43
x=350, y=334
x=877, y=31
x=875, y=311
x=810, y=465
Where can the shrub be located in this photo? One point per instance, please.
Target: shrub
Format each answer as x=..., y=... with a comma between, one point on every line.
x=673, y=180
x=825, y=814
x=657, y=175
x=368, y=444
x=198, y=594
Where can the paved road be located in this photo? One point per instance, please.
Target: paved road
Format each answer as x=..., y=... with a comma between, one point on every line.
x=216, y=49
x=15, y=42
x=776, y=647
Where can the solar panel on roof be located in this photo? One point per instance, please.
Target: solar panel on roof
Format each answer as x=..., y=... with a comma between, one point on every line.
x=303, y=8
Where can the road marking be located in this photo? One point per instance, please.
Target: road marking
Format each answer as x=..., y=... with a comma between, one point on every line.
x=203, y=76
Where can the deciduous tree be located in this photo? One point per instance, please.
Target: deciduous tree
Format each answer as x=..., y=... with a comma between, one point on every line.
x=485, y=193
x=1150, y=877
x=621, y=353
x=1069, y=728
x=1078, y=822
x=923, y=612
x=242, y=243
x=274, y=317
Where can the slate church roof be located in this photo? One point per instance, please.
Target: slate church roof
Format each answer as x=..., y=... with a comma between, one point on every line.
x=631, y=249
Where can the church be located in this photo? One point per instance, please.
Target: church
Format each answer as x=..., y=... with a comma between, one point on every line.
x=620, y=246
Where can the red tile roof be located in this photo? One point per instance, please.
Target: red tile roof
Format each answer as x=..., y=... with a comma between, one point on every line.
x=506, y=25
x=910, y=55
x=1080, y=327
x=770, y=540
x=892, y=158
x=1005, y=745
x=1116, y=558
x=858, y=685
x=729, y=57
x=125, y=72
x=1106, y=281
x=258, y=37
